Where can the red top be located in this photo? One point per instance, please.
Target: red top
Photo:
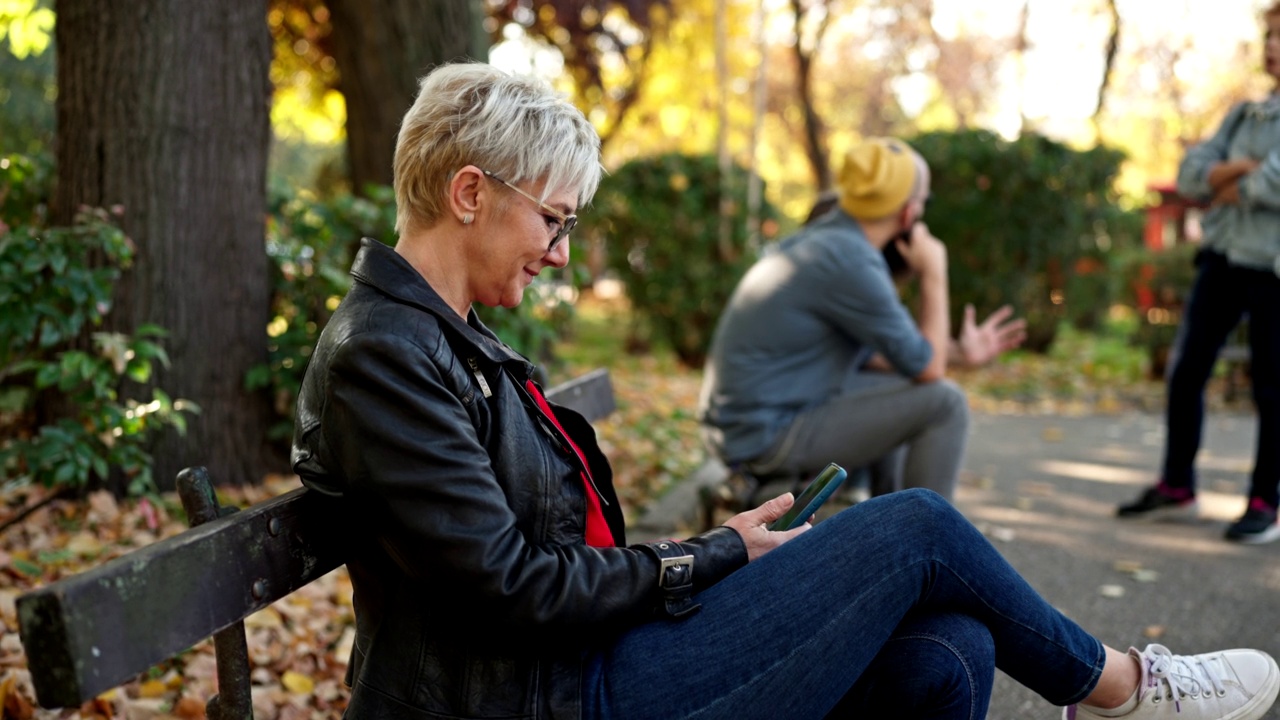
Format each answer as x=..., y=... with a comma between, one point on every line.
x=598, y=533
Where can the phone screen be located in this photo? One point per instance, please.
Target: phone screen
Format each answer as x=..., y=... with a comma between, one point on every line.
x=811, y=499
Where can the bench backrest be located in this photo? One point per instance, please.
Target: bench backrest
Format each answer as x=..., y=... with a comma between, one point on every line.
x=95, y=630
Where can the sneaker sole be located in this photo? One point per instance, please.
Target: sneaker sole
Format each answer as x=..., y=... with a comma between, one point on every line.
x=1271, y=534
x=1180, y=513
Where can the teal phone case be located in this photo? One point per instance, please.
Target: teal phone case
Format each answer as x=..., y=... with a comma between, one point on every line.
x=817, y=493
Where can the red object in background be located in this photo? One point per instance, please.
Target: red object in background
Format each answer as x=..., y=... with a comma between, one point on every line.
x=1168, y=223
x=1167, y=219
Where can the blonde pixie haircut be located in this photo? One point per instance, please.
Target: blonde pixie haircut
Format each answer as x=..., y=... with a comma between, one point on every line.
x=474, y=114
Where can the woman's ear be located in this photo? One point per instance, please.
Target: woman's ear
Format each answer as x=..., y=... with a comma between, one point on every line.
x=466, y=189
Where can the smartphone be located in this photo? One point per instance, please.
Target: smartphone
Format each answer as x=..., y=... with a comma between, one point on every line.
x=811, y=499
x=893, y=257
x=898, y=265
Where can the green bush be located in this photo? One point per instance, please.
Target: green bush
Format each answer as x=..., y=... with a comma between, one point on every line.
x=1157, y=284
x=310, y=242
x=1029, y=222
x=660, y=218
x=55, y=284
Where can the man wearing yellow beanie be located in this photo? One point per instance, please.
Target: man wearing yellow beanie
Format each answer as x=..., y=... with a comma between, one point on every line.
x=816, y=360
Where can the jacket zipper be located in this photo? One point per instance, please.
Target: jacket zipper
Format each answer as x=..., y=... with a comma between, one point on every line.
x=484, y=384
x=562, y=439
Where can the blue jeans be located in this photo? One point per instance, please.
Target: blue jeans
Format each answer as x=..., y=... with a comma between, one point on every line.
x=895, y=602
x=1221, y=295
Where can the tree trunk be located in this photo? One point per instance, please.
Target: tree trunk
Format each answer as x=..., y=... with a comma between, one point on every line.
x=163, y=109
x=1108, y=64
x=814, y=147
x=383, y=47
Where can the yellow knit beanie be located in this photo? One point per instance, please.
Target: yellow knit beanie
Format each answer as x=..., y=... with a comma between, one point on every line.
x=876, y=178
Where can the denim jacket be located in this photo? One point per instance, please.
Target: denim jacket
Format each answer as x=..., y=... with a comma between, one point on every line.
x=475, y=593
x=1248, y=233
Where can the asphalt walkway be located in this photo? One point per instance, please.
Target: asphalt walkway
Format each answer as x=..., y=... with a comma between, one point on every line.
x=1044, y=490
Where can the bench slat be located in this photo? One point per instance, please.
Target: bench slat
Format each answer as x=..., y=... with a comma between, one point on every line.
x=98, y=629
x=95, y=630
x=590, y=394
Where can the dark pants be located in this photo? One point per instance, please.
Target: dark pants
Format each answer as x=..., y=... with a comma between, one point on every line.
x=897, y=607
x=1221, y=296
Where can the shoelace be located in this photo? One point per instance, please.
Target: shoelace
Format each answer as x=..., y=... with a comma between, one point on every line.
x=1181, y=675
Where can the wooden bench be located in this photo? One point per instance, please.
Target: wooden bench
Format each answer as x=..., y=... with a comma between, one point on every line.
x=93, y=631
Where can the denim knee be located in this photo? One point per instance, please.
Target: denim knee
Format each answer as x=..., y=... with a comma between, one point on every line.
x=918, y=501
x=935, y=666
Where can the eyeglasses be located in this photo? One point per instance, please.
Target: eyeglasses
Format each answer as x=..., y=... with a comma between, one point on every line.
x=567, y=222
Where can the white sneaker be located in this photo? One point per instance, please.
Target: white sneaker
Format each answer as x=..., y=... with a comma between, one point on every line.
x=1224, y=685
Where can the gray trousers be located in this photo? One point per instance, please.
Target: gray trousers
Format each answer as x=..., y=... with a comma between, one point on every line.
x=913, y=433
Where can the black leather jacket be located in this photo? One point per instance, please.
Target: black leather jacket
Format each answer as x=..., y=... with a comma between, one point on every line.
x=475, y=594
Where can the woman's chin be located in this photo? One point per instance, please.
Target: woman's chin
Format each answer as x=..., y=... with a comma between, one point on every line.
x=510, y=300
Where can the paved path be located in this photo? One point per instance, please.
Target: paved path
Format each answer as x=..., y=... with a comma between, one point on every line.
x=1044, y=489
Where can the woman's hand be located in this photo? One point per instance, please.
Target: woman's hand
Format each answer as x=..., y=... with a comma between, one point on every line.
x=1228, y=173
x=753, y=526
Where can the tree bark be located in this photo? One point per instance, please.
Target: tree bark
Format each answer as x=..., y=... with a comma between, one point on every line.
x=163, y=109
x=383, y=47
x=814, y=146
x=1109, y=62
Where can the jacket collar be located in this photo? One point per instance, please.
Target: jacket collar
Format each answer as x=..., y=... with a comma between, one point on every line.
x=382, y=268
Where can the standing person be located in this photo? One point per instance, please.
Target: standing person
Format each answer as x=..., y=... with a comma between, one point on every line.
x=487, y=550
x=815, y=359
x=1237, y=171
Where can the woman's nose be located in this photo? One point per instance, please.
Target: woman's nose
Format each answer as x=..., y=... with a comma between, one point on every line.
x=559, y=255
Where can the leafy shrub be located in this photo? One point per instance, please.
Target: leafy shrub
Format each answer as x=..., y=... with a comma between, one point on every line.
x=660, y=218
x=1157, y=284
x=1029, y=222
x=310, y=241
x=55, y=283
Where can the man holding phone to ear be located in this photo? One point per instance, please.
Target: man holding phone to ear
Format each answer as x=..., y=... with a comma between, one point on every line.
x=816, y=360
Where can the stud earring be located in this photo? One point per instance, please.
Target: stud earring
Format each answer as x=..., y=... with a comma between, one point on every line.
x=467, y=218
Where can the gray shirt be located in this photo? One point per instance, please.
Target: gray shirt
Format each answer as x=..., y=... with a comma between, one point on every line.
x=807, y=313
x=1248, y=233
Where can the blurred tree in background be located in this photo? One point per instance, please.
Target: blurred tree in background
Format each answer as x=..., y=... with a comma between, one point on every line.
x=605, y=45
x=660, y=217
x=1019, y=219
x=169, y=125
x=27, y=88
x=372, y=53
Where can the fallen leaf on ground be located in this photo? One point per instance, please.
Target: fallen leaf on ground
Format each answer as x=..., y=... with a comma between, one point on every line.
x=296, y=682
x=1126, y=566
x=1111, y=591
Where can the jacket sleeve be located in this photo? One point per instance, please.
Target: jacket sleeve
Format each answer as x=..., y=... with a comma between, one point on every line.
x=859, y=301
x=1261, y=188
x=1193, y=171
x=406, y=444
